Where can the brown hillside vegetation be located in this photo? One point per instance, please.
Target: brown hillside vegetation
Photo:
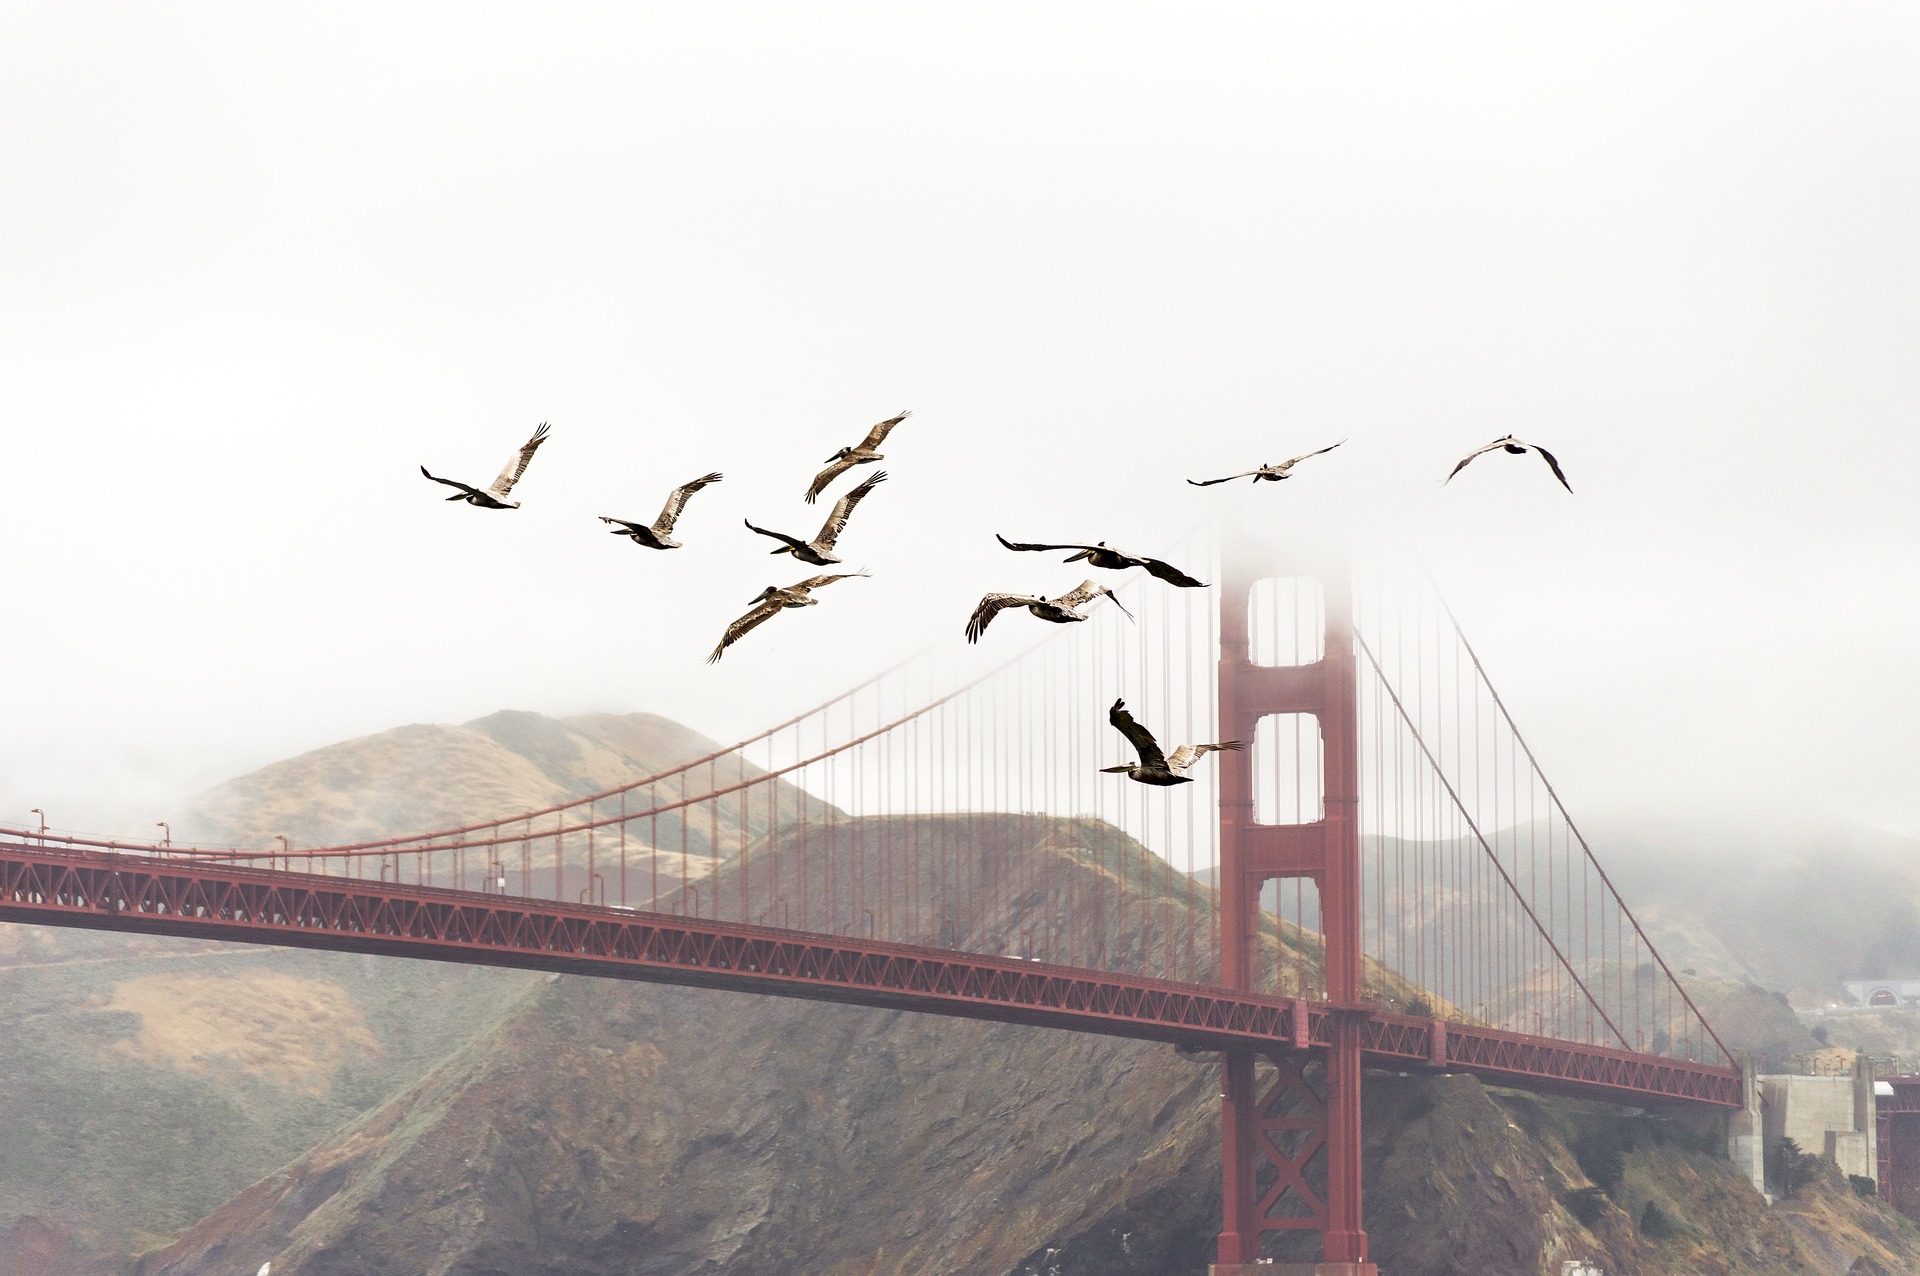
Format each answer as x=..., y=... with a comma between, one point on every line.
x=151, y=1079
x=609, y=1128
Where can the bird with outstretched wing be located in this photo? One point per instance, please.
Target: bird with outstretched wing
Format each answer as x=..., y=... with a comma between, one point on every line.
x=864, y=452
x=1103, y=555
x=659, y=535
x=776, y=598
x=1515, y=447
x=495, y=496
x=1267, y=473
x=819, y=550
x=1156, y=767
x=1060, y=611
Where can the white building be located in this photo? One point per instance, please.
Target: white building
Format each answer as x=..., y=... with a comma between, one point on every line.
x=1884, y=992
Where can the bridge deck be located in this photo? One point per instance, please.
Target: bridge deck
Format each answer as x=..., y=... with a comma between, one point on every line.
x=143, y=894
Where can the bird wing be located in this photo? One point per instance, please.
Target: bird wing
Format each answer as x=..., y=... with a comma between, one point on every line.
x=1552, y=464
x=828, y=475
x=1188, y=754
x=1228, y=479
x=837, y=521
x=677, y=501
x=1476, y=452
x=878, y=434
x=1143, y=741
x=1289, y=464
x=779, y=536
x=630, y=528
x=991, y=606
x=815, y=582
x=1171, y=574
x=450, y=483
x=514, y=468
x=1085, y=592
x=1021, y=545
x=739, y=627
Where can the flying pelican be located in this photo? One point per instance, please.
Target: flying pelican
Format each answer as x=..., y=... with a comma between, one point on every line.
x=859, y=454
x=1516, y=447
x=495, y=497
x=774, y=599
x=1116, y=560
x=660, y=535
x=819, y=550
x=1061, y=611
x=1270, y=473
x=1156, y=767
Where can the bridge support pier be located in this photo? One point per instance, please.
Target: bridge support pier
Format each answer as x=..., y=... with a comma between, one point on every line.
x=1300, y=1125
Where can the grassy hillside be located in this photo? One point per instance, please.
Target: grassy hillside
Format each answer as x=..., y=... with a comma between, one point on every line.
x=151, y=1079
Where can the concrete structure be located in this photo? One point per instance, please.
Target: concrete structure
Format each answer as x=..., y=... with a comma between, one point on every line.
x=1747, y=1134
x=1884, y=992
x=1830, y=1116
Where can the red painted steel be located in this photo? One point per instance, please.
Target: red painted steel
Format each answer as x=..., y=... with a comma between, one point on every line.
x=1325, y=851
x=1897, y=1116
x=141, y=895
x=147, y=895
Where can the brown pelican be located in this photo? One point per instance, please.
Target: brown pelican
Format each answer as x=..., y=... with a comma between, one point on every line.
x=1154, y=766
x=660, y=535
x=1061, y=611
x=495, y=497
x=773, y=599
x=819, y=550
x=1270, y=473
x=1102, y=556
x=860, y=453
x=1515, y=446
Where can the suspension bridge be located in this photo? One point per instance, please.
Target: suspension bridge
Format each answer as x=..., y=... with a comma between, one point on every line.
x=1384, y=877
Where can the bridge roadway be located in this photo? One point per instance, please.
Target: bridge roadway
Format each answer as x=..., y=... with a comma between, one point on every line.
x=156, y=895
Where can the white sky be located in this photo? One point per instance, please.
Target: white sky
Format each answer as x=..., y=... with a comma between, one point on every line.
x=259, y=263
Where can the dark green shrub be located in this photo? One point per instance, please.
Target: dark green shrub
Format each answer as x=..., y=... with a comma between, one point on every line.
x=1602, y=1154
x=1586, y=1204
x=1657, y=1224
x=1791, y=1168
x=1863, y=1187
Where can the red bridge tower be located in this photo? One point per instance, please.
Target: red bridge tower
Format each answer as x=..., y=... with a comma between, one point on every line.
x=1274, y=1130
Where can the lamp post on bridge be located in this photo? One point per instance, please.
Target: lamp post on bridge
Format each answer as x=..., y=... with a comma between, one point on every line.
x=166, y=833
x=43, y=824
x=286, y=850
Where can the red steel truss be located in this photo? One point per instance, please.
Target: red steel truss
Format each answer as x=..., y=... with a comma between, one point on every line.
x=155, y=897
x=147, y=895
x=1897, y=1115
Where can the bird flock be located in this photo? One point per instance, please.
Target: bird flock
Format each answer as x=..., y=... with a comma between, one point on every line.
x=1155, y=767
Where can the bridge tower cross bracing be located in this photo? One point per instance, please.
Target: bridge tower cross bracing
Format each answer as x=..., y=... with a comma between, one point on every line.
x=1283, y=1127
